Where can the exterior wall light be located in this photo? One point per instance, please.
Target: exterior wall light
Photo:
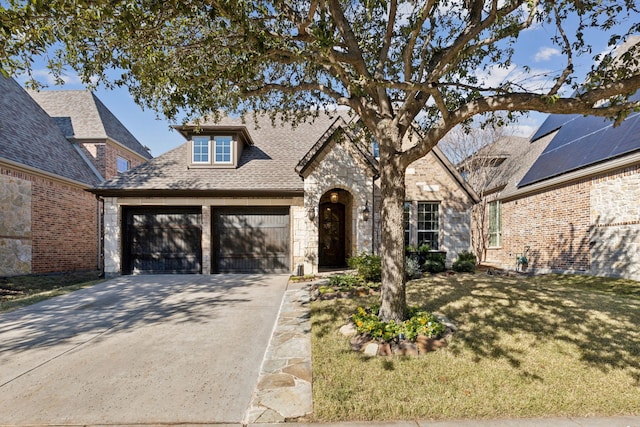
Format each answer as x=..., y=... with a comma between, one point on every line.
x=365, y=212
x=334, y=197
x=312, y=213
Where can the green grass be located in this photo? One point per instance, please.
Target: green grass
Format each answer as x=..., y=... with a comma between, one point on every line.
x=20, y=291
x=541, y=346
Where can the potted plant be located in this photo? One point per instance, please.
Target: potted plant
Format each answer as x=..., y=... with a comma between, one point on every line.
x=522, y=261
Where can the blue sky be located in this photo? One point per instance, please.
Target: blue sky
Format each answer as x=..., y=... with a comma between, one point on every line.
x=534, y=49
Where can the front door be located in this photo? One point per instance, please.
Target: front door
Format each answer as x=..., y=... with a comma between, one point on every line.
x=331, y=238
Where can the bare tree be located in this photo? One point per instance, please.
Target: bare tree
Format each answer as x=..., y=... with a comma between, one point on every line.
x=478, y=154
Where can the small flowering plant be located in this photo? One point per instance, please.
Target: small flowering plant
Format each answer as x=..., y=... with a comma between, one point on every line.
x=420, y=322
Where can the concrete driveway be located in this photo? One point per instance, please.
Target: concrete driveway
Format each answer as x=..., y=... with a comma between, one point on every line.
x=139, y=349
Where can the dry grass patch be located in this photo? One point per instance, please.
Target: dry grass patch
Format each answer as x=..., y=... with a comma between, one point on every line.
x=525, y=347
x=20, y=291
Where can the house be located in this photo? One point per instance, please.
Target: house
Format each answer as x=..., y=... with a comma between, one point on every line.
x=88, y=124
x=48, y=221
x=567, y=199
x=265, y=197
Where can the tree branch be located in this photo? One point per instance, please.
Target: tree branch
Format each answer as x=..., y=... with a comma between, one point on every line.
x=586, y=104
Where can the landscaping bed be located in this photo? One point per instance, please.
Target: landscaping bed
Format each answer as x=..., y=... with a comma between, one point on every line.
x=538, y=346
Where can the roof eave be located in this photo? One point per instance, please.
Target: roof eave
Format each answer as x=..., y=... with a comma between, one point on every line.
x=119, y=192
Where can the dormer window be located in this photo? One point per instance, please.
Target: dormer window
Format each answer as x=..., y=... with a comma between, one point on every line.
x=222, y=149
x=211, y=146
x=213, y=151
x=201, y=150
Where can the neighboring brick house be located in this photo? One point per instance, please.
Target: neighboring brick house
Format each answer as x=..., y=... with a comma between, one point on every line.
x=569, y=198
x=88, y=123
x=259, y=197
x=49, y=222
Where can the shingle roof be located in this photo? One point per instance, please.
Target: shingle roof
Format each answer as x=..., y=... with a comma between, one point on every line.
x=269, y=165
x=523, y=154
x=339, y=126
x=80, y=114
x=29, y=137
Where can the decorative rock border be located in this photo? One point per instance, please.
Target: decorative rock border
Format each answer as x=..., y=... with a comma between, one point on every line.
x=283, y=392
x=422, y=345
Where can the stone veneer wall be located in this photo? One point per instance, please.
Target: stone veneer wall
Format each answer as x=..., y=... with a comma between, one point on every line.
x=15, y=225
x=113, y=220
x=590, y=226
x=615, y=219
x=338, y=166
x=60, y=219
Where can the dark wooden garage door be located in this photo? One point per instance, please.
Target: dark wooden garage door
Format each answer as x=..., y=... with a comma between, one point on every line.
x=251, y=240
x=162, y=240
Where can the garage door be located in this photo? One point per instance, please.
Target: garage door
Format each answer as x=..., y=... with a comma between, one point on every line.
x=162, y=240
x=251, y=240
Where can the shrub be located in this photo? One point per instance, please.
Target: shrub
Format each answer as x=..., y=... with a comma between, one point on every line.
x=424, y=248
x=465, y=263
x=369, y=267
x=435, y=262
x=411, y=268
x=420, y=322
x=345, y=281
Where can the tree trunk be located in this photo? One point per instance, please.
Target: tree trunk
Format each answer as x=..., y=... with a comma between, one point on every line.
x=392, y=188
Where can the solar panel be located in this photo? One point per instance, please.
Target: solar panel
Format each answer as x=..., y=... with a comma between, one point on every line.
x=584, y=141
x=551, y=124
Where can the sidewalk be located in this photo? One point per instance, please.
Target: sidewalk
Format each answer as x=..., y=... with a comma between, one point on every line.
x=284, y=386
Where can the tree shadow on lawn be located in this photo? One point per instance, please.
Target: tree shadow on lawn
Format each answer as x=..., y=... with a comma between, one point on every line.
x=601, y=327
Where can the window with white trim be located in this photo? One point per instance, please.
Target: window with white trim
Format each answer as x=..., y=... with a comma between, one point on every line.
x=422, y=224
x=122, y=164
x=407, y=223
x=428, y=227
x=222, y=149
x=201, y=150
x=495, y=224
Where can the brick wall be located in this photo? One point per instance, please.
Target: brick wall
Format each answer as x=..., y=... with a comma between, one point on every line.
x=64, y=228
x=111, y=154
x=104, y=157
x=591, y=226
x=63, y=225
x=427, y=180
x=615, y=219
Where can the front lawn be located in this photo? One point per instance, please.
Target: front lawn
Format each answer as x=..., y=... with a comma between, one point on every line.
x=19, y=291
x=552, y=345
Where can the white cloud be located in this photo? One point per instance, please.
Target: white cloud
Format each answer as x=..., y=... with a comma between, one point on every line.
x=534, y=80
x=47, y=77
x=546, y=53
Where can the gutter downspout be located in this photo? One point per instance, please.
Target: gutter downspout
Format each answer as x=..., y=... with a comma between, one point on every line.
x=100, y=232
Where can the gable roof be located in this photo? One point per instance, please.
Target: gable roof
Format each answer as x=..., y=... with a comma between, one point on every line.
x=29, y=137
x=267, y=166
x=338, y=127
x=82, y=116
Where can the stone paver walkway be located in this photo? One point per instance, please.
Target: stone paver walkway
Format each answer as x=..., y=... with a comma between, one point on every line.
x=284, y=385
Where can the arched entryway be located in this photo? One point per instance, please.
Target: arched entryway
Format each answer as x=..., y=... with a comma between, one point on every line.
x=334, y=228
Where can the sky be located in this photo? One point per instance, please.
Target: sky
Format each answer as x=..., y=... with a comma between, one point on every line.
x=534, y=49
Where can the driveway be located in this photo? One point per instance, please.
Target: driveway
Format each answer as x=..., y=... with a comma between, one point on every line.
x=139, y=349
